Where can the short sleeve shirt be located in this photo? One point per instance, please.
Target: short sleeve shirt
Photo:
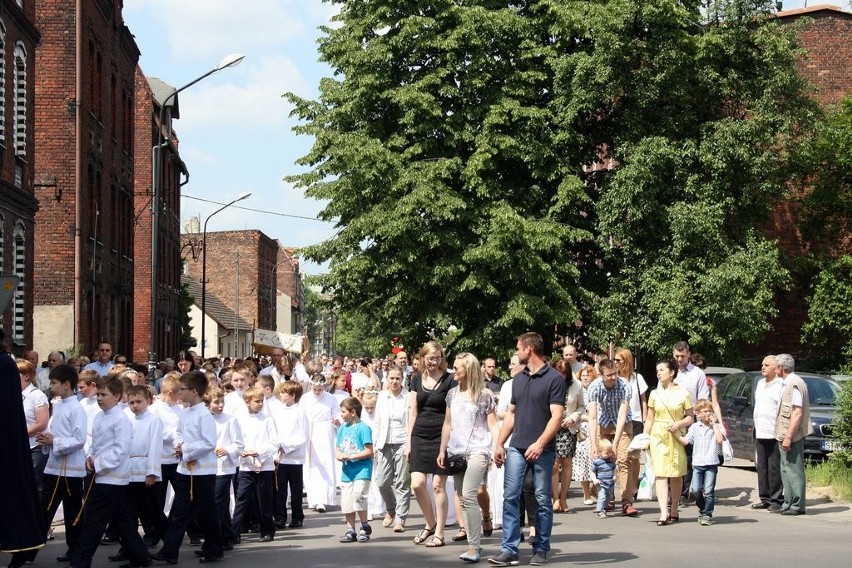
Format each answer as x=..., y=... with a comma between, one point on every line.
x=609, y=400
x=532, y=395
x=351, y=439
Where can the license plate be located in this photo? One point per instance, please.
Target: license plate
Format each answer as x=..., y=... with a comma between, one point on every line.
x=830, y=445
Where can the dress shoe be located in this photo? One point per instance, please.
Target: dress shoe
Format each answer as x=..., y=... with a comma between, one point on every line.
x=761, y=505
x=108, y=540
x=64, y=558
x=158, y=556
x=195, y=541
x=120, y=557
x=210, y=559
x=296, y=525
x=266, y=538
x=774, y=508
x=791, y=512
x=150, y=542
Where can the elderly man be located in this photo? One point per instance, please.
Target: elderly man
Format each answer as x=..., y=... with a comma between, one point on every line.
x=608, y=409
x=55, y=359
x=569, y=353
x=767, y=397
x=793, y=424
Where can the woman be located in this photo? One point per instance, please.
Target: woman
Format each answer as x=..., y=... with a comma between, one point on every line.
x=469, y=430
x=391, y=436
x=37, y=414
x=427, y=405
x=582, y=462
x=566, y=437
x=669, y=412
x=366, y=377
x=624, y=362
x=185, y=362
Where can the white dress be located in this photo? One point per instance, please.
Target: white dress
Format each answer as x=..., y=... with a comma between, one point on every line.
x=320, y=465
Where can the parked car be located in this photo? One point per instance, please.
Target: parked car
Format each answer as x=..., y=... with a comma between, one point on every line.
x=717, y=373
x=736, y=400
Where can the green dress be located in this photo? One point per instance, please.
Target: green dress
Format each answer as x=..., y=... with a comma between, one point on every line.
x=668, y=456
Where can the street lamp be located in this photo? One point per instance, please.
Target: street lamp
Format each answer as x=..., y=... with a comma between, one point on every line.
x=156, y=192
x=204, y=268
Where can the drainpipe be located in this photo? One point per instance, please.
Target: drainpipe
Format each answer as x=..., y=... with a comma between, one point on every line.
x=78, y=166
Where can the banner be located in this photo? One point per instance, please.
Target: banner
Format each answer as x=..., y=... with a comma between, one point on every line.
x=265, y=340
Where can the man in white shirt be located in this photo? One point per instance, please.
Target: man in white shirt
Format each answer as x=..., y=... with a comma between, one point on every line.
x=767, y=397
x=694, y=381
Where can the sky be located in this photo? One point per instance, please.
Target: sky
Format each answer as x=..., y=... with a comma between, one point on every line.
x=234, y=128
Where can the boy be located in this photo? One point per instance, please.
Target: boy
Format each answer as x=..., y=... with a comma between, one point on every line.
x=271, y=405
x=109, y=464
x=195, y=479
x=65, y=438
x=603, y=472
x=257, y=465
x=706, y=438
x=242, y=376
x=167, y=407
x=354, y=449
x=87, y=387
x=229, y=446
x=145, y=459
x=292, y=427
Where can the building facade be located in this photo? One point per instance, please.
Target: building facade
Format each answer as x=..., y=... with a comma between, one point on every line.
x=287, y=284
x=18, y=205
x=84, y=177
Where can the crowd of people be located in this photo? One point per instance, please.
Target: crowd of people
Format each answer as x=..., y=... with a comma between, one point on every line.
x=217, y=449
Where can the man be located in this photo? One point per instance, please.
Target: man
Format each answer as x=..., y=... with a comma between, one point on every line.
x=767, y=397
x=492, y=381
x=793, y=424
x=694, y=381
x=608, y=409
x=120, y=360
x=532, y=419
x=55, y=359
x=272, y=368
x=569, y=353
x=103, y=363
x=401, y=361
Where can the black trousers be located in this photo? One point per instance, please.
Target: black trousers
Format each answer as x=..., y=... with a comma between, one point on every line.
x=222, y=499
x=259, y=486
x=194, y=496
x=105, y=503
x=767, y=462
x=69, y=492
x=290, y=481
x=145, y=504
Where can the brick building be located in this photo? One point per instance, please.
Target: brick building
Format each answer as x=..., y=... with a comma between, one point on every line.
x=288, y=291
x=18, y=205
x=84, y=152
x=240, y=267
x=151, y=95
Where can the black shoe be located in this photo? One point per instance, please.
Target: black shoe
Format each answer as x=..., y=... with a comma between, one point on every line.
x=228, y=546
x=120, y=557
x=64, y=558
x=296, y=525
x=761, y=505
x=209, y=559
x=266, y=538
x=158, y=556
x=792, y=512
x=280, y=524
x=195, y=541
x=108, y=540
x=150, y=542
x=255, y=528
x=142, y=565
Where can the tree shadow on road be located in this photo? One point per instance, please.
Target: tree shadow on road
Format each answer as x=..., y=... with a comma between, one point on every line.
x=594, y=557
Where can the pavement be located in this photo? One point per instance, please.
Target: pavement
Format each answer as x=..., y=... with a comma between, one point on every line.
x=739, y=536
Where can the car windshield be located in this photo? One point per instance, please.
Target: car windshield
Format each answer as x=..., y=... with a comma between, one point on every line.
x=821, y=392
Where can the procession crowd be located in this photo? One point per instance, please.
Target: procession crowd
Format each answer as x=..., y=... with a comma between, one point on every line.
x=218, y=449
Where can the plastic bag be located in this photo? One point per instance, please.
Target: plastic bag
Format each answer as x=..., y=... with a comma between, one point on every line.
x=727, y=451
x=647, y=481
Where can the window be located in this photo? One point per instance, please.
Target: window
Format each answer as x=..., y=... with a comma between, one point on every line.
x=19, y=260
x=20, y=100
x=2, y=83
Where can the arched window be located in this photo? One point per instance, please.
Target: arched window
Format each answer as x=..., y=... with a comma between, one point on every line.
x=20, y=100
x=20, y=269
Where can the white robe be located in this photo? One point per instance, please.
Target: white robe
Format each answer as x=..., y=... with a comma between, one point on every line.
x=320, y=465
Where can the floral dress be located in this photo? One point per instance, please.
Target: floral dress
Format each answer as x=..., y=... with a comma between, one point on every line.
x=582, y=465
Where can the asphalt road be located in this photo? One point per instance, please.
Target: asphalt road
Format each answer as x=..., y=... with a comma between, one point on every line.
x=738, y=537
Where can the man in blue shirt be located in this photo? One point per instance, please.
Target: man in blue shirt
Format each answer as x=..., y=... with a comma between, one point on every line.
x=533, y=418
x=104, y=361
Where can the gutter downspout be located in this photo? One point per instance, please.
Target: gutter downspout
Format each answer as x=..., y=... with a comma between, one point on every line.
x=78, y=161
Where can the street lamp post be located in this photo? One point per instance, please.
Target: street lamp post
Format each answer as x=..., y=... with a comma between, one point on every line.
x=204, y=268
x=156, y=193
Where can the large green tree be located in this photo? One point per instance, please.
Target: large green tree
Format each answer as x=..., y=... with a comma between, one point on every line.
x=501, y=166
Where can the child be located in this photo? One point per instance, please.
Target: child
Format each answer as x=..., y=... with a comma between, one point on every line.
x=195, y=479
x=338, y=385
x=145, y=459
x=65, y=438
x=109, y=463
x=271, y=405
x=355, y=451
x=603, y=470
x=368, y=398
x=167, y=408
x=323, y=413
x=87, y=388
x=706, y=438
x=292, y=427
x=229, y=446
x=257, y=465
x=241, y=377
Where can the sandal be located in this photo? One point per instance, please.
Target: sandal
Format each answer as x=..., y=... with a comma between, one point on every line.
x=436, y=542
x=662, y=522
x=673, y=519
x=399, y=528
x=424, y=534
x=487, y=525
x=388, y=521
x=461, y=535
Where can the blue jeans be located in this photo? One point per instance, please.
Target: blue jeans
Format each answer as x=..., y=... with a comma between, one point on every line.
x=514, y=470
x=704, y=487
x=605, y=495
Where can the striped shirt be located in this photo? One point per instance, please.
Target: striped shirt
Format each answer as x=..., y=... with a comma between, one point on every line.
x=705, y=448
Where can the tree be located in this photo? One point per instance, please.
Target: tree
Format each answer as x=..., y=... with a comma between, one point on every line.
x=505, y=166
x=187, y=341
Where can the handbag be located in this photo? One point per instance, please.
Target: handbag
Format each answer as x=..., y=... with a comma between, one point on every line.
x=456, y=464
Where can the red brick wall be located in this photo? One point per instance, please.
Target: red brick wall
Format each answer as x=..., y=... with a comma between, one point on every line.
x=102, y=181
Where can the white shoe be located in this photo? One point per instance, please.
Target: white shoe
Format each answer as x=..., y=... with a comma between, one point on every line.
x=588, y=502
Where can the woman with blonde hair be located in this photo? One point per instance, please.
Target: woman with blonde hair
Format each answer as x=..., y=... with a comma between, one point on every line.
x=427, y=405
x=469, y=430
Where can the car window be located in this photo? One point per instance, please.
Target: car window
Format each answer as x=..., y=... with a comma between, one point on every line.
x=731, y=387
x=746, y=388
x=821, y=391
